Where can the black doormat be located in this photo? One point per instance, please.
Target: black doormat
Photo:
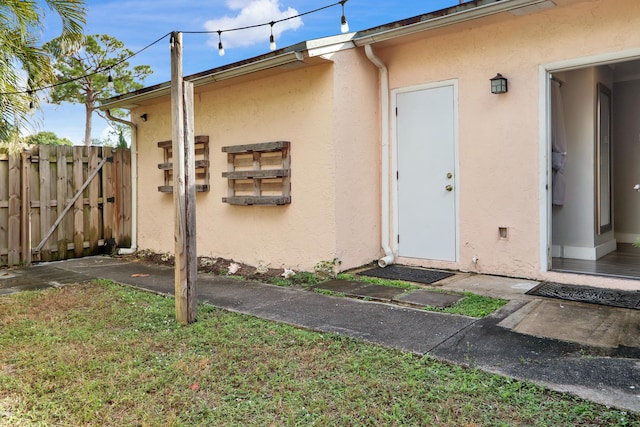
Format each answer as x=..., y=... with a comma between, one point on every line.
x=398, y=272
x=609, y=297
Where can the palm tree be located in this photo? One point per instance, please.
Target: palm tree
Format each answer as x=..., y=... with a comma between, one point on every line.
x=24, y=64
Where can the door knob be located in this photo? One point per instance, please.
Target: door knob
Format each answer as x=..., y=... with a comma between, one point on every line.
x=448, y=188
x=636, y=187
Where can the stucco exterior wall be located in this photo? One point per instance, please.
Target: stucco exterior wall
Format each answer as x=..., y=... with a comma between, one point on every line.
x=296, y=106
x=499, y=135
x=357, y=158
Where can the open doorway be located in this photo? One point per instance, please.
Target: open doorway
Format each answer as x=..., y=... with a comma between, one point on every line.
x=595, y=161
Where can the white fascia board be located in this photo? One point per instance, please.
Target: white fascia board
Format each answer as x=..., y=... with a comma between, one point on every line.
x=251, y=67
x=129, y=101
x=454, y=18
x=164, y=89
x=328, y=45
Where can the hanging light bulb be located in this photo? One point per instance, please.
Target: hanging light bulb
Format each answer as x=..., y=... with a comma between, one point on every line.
x=344, y=25
x=110, y=80
x=272, y=40
x=31, y=103
x=220, y=47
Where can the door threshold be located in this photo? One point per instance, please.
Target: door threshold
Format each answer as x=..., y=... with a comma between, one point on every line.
x=595, y=273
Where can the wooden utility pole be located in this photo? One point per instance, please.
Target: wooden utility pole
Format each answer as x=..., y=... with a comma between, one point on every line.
x=184, y=194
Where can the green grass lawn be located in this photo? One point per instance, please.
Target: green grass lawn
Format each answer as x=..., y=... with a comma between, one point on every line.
x=103, y=354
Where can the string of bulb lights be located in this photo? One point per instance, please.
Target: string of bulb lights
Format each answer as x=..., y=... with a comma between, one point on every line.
x=344, y=28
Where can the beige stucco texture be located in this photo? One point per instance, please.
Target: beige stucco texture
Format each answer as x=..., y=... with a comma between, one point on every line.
x=295, y=106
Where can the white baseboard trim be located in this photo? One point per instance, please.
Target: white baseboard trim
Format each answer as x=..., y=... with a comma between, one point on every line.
x=577, y=252
x=605, y=248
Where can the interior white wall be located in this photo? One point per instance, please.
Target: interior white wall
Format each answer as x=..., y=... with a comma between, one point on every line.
x=605, y=242
x=626, y=155
x=573, y=229
x=573, y=221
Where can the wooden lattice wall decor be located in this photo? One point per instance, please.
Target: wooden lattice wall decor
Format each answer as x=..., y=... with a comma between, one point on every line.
x=258, y=174
x=201, y=146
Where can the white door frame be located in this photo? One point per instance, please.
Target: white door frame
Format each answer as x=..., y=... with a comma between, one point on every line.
x=544, y=113
x=394, y=158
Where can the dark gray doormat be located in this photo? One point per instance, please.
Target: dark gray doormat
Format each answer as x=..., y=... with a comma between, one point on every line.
x=610, y=297
x=425, y=297
x=398, y=272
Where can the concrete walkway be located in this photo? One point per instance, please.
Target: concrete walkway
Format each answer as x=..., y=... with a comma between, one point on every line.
x=588, y=350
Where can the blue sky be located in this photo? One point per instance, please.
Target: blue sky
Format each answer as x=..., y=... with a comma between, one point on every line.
x=139, y=22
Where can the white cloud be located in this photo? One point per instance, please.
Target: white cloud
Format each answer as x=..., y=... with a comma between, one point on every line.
x=248, y=13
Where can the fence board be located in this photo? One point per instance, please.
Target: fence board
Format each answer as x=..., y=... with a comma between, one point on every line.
x=46, y=210
x=94, y=211
x=61, y=234
x=107, y=194
x=117, y=203
x=4, y=208
x=78, y=207
x=127, y=201
x=34, y=180
x=69, y=234
x=25, y=208
x=13, y=232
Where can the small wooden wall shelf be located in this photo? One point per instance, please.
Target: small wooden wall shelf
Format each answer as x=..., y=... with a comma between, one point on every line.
x=258, y=174
x=201, y=146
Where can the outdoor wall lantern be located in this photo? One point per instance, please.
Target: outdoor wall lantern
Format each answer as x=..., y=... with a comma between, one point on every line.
x=499, y=84
x=144, y=117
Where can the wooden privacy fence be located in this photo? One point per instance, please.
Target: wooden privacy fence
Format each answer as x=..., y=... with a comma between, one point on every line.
x=64, y=202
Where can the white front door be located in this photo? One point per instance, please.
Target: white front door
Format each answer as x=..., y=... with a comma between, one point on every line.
x=426, y=147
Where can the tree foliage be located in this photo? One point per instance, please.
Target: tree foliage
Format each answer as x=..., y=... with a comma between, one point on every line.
x=88, y=72
x=24, y=65
x=116, y=137
x=46, y=138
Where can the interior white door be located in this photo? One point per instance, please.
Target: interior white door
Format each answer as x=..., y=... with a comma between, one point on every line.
x=426, y=173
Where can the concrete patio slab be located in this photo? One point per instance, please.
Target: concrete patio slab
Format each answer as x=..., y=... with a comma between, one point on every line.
x=361, y=289
x=424, y=297
x=347, y=287
x=492, y=286
x=588, y=324
x=379, y=292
